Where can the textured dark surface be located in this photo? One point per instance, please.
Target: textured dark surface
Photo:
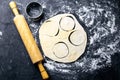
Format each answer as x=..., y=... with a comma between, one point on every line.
x=101, y=60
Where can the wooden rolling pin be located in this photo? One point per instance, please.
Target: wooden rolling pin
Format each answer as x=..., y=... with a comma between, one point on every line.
x=28, y=39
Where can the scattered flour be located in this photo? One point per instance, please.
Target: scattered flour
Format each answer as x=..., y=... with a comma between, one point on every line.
x=34, y=28
x=19, y=4
x=1, y=35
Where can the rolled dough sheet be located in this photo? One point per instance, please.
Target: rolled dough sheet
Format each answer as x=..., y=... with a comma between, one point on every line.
x=62, y=38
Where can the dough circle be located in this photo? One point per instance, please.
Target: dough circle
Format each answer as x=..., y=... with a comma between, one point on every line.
x=60, y=50
x=76, y=38
x=67, y=23
x=62, y=38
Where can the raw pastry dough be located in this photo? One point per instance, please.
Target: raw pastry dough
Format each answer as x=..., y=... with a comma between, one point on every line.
x=60, y=50
x=67, y=23
x=76, y=38
x=62, y=38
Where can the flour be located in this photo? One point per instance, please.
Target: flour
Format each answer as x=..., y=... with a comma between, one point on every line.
x=50, y=67
x=1, y=35
x=34, y=30
x=94, y=37
x=113, y=28
x=19, y=4
x=20, y=8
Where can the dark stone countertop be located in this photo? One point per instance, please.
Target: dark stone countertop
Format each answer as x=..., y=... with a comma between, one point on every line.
x=101, y=60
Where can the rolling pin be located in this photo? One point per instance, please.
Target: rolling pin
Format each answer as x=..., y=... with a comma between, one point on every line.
x=28, y=40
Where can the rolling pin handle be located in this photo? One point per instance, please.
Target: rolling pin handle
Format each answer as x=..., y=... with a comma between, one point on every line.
x=43, y=71
x=13, y=6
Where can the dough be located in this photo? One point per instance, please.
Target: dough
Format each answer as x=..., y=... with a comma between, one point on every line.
x=50, y=28
x=62, y=38
x=76, y=38
x=60, y=50
x=67, y=23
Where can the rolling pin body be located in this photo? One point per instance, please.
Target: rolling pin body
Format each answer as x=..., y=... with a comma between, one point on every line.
x=28, y=40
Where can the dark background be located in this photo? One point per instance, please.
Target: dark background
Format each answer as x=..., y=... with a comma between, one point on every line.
x=101, y=60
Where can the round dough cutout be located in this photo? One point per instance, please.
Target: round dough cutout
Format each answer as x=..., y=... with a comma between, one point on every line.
x=76, y=38
x=67, y=23
x=60, y=50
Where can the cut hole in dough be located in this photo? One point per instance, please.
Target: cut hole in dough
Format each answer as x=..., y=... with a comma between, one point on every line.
x=60, y=50
x=67, y=23
x=76, y=38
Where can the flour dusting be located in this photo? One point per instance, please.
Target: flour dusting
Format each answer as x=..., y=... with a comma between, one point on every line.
x=0, y=35
x=34, y=29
